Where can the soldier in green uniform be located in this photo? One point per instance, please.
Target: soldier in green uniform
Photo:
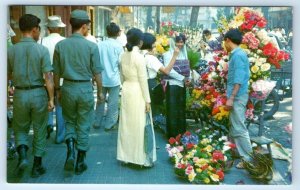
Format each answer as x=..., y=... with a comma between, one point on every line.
x=77, y=61
x=28, y=65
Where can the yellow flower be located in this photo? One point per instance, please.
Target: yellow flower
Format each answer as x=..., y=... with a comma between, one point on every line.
x=265, y=67
x=204, y=141
x=214, y=177
x=210, y=168
x=192, y=176
x=198, y=170
x=206, y=180
x=165, y=42
x=243, y=46
x=209, y=148
x=254, y=69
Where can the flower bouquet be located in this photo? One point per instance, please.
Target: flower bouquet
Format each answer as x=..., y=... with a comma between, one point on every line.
x=201, y=156
x=162, y=44
x=262, y=88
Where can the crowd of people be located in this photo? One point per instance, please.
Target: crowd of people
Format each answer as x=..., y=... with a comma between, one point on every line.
x=57, y=72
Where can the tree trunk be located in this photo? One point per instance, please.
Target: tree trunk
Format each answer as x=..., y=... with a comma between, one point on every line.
x=194, y=16
x=158, y=19
x=149, y=21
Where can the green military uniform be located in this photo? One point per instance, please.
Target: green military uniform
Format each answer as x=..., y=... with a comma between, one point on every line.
x=27, y=61
x=77, y=61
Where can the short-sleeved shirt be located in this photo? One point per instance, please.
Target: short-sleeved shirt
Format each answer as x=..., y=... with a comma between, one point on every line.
x=110, y=51
x=50, y=42
x=76, y=58
x=153, y=65
x=27, y=61
x=238, y=72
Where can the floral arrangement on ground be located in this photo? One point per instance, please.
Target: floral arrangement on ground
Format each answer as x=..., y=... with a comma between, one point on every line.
x=201, y=156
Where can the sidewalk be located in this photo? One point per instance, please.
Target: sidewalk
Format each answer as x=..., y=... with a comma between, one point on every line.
x=103, y=168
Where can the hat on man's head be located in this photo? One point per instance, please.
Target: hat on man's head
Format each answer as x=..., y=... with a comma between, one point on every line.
x=55, y=22
x=80, y=14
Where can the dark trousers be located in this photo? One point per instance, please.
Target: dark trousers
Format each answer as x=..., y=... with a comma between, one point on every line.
x=175, y=100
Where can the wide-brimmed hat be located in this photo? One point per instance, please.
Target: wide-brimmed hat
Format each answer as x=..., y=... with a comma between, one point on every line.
x=55, y=22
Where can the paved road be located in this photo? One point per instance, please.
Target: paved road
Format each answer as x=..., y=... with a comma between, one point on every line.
x=105, y=169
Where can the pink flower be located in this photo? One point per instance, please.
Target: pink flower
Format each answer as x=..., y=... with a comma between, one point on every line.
x=189, y=170
x=289, y=128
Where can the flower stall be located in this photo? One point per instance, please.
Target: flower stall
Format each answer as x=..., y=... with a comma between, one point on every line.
x=200, y=156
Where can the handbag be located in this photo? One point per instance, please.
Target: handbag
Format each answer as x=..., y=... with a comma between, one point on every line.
x=182, y=67
x=148, y=137
x=156, y=92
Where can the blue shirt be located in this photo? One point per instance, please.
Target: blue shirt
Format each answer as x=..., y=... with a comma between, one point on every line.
x=238, y=72
x=110, y=51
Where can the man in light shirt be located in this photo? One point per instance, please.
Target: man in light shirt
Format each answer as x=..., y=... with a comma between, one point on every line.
x=54, y=25
x=110, y=51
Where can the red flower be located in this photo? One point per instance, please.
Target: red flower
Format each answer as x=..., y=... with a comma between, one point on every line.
x=220, y=173
x=178, y=138
x=183, y=166
x=163, y=24
x=218, y=155
x=187, y=133
x=189, y=145
x=172, y=140
x=232, y=145
x=169, y=23
x=250, y=105
x=286, y=56
x=262, y=24
x=215, y=94
x=205, y=76
x=204, y=167
x=208, y=97
x=215, y=111
x=171, y=33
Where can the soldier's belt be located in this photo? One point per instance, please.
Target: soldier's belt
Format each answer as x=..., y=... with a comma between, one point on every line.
x=28, y=87
x=71, y=80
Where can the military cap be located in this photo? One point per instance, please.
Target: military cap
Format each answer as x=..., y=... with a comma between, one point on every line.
x=80, y=14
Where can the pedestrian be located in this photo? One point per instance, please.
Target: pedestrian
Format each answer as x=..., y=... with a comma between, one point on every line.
x=135, y=104
x=91, y=38
x=176, y=89
x=153, y=66
x=55, y=26
x=76, y=60
x=237, y=94
x=110, y=51
x=29, y=66
x=212, y=42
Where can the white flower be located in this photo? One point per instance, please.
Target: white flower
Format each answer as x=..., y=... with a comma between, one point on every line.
x=252, y=59
x=224, y=138
x=265, y=67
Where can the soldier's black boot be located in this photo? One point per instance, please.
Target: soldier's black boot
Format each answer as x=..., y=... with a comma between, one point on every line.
x=69, y=164
x=37, y=169
x=23, y=161
x=80, y=164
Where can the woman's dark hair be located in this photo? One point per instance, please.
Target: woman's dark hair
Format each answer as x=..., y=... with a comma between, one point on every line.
x=28, y=21
x=77, y=23
x=234, y=35
x=180, y=37
x=134, y=37
x=112, y=30
x=206, y=32
x=148, y=41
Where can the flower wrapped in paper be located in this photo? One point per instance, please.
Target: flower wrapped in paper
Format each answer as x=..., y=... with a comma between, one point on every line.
x=262, y=89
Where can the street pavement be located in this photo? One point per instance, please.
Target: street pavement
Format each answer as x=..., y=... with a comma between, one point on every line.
x=103, y=168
